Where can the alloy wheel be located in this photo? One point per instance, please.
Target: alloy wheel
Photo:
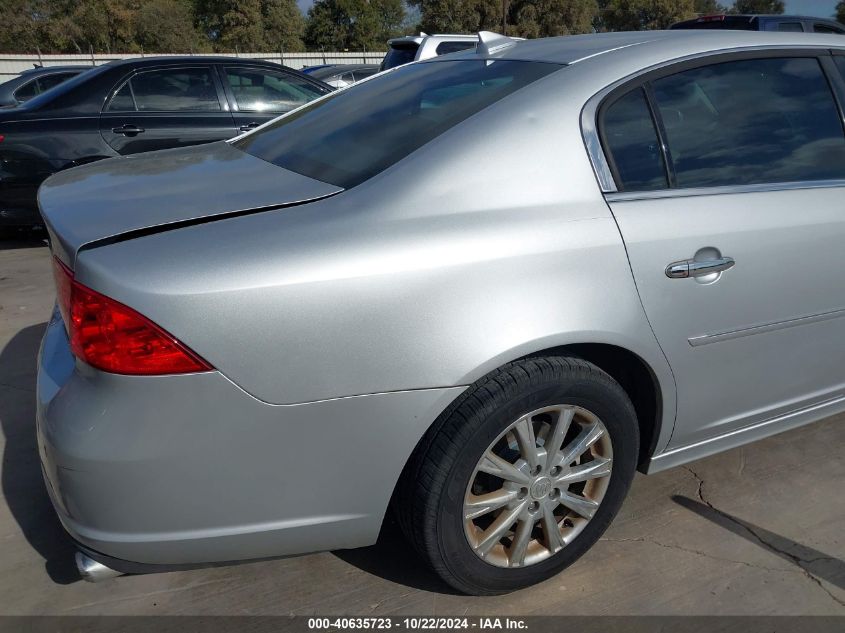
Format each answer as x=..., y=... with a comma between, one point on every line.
x=537, y=485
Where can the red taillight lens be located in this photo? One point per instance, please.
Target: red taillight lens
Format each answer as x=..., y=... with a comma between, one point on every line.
x=113, y=337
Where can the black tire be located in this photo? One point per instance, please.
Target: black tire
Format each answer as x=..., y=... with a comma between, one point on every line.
x=429, y=498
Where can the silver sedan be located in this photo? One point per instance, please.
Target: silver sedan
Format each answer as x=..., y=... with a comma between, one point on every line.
x=478, y=291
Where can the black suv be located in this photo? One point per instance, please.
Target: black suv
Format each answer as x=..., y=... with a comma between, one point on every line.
x=137, y=105
x=789, y=23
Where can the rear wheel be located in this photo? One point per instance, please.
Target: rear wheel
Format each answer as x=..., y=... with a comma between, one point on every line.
x=521, y=476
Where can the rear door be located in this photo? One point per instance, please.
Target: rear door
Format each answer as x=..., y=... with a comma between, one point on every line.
x=259, y=94
x=731, y=173
x=167, y=107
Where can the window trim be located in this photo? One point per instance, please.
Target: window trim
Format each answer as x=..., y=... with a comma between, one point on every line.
x=224, y=107
x=591, y=115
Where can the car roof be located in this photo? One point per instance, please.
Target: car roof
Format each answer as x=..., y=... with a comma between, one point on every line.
x=418, y=39
x=646, y=46
x=164, y=60
x=43, y=70
x=339, y=69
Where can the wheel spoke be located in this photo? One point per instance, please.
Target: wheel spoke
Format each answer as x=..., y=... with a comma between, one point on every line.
x=498, y=529
x=492, y=464
x=516, y=554
x=479, y=505
x=578, y=504
x=527, y=441
x=555, y=440
x=586, y=438
x=599, y=467
x=551, y=530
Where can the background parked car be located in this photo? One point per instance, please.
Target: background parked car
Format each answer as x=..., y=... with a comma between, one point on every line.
x=340, y=75
x=31, y=83
x=412, y=48
x=137, y=105
x=789, y=23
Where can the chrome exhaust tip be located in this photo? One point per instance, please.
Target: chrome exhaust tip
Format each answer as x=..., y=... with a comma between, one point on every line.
x=93, y=571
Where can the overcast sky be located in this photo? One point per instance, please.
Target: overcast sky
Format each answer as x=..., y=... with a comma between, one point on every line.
x=823, y=8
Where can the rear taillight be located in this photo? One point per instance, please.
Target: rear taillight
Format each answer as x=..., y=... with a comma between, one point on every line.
x=113, y=337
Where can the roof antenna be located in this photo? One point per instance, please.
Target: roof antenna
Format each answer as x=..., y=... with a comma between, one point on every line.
x=490, y=43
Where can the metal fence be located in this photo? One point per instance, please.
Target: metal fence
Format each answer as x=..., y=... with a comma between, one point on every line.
x=12, y=64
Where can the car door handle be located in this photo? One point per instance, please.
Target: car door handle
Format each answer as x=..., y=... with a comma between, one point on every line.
x=692, y=268
x=128, y=130
x=249, y=126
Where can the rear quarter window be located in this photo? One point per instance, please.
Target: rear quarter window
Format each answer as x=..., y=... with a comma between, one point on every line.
x=356, y=133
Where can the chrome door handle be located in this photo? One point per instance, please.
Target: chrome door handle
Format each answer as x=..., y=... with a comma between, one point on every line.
x=692, y=268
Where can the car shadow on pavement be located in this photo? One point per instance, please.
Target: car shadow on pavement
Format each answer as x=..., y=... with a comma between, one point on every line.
x=22, y=483
x=812, y=561
x=394, y=559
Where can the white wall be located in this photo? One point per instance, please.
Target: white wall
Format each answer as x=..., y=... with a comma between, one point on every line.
x=11, y=64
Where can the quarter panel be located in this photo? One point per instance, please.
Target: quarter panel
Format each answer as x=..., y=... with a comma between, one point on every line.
x=459, y=258
x=190, y=469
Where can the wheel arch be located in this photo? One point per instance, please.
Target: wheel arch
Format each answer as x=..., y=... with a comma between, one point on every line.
x=636, y=377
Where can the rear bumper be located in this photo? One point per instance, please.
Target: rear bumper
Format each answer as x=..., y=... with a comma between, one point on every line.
x=190, y=470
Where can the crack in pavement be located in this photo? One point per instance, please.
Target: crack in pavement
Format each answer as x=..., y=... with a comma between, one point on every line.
x=698, y=553
x=796, y=560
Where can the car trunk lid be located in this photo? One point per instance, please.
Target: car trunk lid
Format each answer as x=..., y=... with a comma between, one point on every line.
x=122, y=198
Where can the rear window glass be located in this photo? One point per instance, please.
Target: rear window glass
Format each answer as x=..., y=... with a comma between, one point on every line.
x=354, y=134
x=398, y=55
x=444, y=48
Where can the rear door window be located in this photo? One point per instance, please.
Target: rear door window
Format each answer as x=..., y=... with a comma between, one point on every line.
x=352, y=135
x=168, y=90
x=751, y=121
x=630, y=138
x=790, y=27
x=263, y=90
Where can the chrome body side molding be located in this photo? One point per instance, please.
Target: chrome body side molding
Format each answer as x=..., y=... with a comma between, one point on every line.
x=706, y=339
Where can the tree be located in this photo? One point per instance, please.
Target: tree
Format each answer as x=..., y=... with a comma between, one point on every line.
x=709, y=7
x=353, y=24
x=548, y=18
x=641, y=15
x=26, y=24
x=758, y=6
x=284, y=25
x=459, y=16
x=105, y=25
x=840, y=11
x=167, y=26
